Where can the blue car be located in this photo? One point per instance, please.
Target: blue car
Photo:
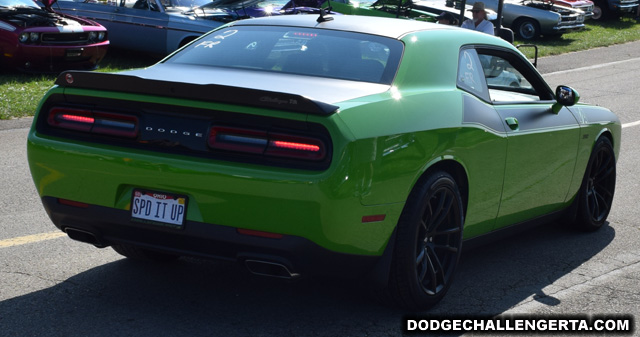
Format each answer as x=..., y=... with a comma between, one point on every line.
x=155, y=26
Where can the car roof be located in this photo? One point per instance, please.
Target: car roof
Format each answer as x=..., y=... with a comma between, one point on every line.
x=388, y=27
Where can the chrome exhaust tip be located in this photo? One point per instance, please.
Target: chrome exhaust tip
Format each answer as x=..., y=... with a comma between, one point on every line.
x=84, y=236
x=272, y=269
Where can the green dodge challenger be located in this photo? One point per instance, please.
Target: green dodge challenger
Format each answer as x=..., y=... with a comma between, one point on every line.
x=301, y=145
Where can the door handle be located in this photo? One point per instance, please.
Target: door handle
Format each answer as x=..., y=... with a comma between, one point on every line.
x=512, y=122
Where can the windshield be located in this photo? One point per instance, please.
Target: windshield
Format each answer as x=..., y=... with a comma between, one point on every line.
x=310, y=52
x=19, y=3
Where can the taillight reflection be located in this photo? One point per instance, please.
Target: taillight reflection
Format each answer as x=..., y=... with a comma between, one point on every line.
x=237, y=139
x=104, y=123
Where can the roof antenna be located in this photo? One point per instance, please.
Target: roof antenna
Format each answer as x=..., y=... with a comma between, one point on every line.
x=325, y=11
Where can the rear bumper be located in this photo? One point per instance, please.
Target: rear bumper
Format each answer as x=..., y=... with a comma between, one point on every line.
x=299, y=255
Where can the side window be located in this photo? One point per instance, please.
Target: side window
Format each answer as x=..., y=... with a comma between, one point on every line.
x=470, y=75
x=142, y=4
x=509, y=81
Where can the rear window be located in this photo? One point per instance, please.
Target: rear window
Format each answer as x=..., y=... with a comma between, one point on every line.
x=310, y=52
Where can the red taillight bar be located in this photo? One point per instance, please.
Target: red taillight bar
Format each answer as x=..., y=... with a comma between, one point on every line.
x=267, y=143
x=283, y=145
x=76, y=118
x=105, y=123
x=295, y=146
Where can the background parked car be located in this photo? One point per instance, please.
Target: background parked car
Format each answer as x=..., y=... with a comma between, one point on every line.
x=154, y=26
x=531, y=18
x=37, y=39
x=606, y=9
x=584, y=5
x=380, y=8
x=439, y=6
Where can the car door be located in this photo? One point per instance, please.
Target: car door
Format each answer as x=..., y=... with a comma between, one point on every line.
x=541, y=144
x=486, y=142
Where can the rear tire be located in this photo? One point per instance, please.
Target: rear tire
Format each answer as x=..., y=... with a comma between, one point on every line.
x=428, y=244
x=143, y=254
x=598, y=186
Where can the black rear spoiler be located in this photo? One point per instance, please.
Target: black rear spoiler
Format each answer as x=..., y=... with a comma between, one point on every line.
x=200, y=92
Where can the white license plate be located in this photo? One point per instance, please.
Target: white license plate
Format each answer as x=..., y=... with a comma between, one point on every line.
x=159, y=207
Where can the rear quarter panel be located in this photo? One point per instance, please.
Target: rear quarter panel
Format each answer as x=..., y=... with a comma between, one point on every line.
x=402, y=133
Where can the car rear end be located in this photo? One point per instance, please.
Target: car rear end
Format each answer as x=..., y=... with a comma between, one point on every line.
x=238, y=173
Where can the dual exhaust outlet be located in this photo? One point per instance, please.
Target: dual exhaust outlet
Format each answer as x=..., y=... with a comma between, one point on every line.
x=257, y=267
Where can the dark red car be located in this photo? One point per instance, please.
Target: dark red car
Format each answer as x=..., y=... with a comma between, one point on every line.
x=38, y=39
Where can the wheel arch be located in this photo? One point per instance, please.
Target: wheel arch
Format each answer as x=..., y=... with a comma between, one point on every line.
x=453, y=167
x=615, y=141
x=605, y=133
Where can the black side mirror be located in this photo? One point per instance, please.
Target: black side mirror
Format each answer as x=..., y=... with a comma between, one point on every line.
x=565, y=96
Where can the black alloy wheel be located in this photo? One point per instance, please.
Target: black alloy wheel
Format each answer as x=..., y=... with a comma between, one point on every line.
x=428, y=245
x=598, y=187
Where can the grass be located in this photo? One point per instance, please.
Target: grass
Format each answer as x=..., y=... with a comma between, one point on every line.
x=596, y=34
x=20, y=93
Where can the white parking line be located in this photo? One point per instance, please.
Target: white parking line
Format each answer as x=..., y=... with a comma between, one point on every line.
x=596, y=66
x=627, y=125
x=22, y=240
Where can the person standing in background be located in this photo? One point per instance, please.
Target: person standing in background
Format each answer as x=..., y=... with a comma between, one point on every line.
x=479, y=22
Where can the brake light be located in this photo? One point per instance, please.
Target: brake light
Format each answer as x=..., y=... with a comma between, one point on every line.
x=266, y=143
x=282, y=145
x=76, y=118
x=295, y=146
x=302, y=34
x=105, y=123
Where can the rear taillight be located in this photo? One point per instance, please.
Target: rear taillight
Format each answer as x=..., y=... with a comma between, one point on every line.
x=267, y=143
x=282, y=145
x=237, y=139
x=104, y=123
